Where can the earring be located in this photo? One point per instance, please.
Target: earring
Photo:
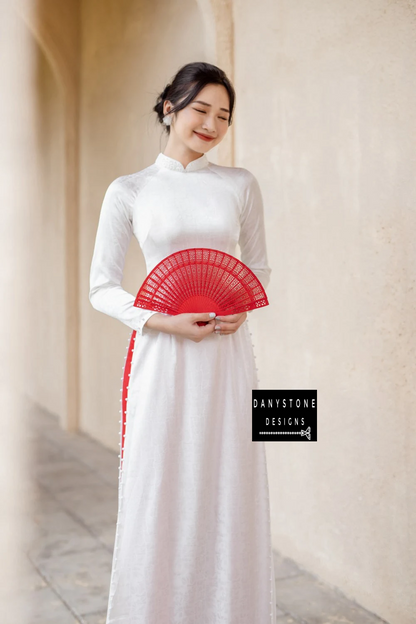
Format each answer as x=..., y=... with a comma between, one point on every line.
x=167, y=120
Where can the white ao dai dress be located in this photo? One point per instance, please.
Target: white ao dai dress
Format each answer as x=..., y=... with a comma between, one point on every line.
x=192, y=543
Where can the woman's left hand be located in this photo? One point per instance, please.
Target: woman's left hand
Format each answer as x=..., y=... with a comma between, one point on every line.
x=229, y=324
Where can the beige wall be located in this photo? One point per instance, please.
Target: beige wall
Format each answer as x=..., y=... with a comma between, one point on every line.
x=24, y=178
x=325, y=119
x=46, y=382
x=54, y=199
x=328, y=124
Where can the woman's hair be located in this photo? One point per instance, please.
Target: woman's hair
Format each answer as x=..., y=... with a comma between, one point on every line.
x=186, y=85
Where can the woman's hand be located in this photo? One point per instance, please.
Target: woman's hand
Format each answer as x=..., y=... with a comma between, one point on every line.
x=186, y=324
x=183, y=324
x=229, y=324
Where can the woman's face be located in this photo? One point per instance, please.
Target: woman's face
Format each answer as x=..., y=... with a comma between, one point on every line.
x=207, y=114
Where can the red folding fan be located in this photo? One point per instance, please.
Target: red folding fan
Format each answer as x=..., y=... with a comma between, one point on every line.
x=201, y=280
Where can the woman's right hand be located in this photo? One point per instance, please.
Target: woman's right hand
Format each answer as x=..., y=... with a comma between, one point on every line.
x=185, y=324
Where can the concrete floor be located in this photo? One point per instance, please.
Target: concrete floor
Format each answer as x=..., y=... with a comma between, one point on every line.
x=70, y=547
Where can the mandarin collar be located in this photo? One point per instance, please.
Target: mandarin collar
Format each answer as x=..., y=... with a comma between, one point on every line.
x=171, y=163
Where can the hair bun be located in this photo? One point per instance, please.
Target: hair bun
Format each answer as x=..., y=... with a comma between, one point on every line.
x=165, y=92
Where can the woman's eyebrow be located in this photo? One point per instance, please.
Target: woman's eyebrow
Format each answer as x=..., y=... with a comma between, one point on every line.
x=206, y=104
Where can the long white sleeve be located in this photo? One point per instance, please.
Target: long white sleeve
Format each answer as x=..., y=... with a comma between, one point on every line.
x=113, y=236
x=252, y=240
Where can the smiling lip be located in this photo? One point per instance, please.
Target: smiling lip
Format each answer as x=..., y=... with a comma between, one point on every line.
x=204, y=137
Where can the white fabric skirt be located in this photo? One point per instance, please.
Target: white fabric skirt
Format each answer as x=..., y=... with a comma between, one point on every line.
x=193, y=543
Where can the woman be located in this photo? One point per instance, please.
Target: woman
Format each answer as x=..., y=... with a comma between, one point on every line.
x=193, y=539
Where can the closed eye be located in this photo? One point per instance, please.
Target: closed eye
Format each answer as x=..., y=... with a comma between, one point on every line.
x=201, y=111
